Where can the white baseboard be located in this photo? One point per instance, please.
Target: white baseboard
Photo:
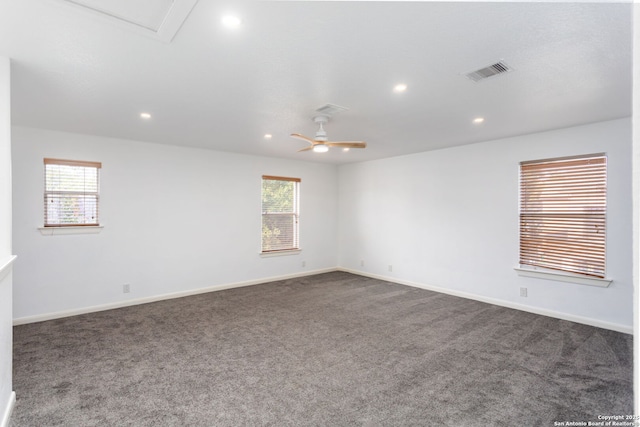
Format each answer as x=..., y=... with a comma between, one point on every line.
x=8, y=410
x=137, y=301
x=544, y=312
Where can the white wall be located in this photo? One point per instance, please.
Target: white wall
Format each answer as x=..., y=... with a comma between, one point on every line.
x=175, y=219
x=446, y=219
x=636, y=204
x=449, y=219
x=6, y=336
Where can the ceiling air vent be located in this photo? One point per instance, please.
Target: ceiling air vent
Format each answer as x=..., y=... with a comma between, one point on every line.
x=160, y=19
x=331, y=109
x=490, y=71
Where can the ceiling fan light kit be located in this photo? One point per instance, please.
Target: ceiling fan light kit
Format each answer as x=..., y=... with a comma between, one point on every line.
x=320, y=143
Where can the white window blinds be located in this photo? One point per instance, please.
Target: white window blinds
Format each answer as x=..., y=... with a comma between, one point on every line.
x=71, y=192
x=280, y=213
x=563, y=214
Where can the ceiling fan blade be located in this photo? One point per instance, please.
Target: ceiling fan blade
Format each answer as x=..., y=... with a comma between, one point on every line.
x=347, y=144
x=304, y=138
x=306, y=148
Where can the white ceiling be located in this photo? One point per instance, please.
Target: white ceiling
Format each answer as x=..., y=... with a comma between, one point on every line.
x=217, y=88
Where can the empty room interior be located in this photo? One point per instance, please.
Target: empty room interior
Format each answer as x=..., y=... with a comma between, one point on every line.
x=317, y=213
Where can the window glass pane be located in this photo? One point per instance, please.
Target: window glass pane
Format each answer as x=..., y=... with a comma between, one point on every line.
x=72, y=209
x=277, y=196
x=278, y=232
x=71, y=178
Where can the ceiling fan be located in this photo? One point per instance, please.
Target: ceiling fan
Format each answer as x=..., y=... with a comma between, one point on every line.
x=321, y=144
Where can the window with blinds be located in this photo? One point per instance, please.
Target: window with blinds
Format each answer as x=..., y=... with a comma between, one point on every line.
x=71, y=192
x=563, y=214
x=280, y=213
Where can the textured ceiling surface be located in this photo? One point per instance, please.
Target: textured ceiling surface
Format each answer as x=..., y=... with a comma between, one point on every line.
x=224, y=89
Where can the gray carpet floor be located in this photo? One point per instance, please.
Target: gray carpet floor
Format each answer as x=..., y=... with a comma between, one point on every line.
x=333, y=349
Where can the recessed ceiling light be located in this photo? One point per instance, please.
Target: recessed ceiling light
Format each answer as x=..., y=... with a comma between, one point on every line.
x=231, y=21
x=320, y=148
x=399, y=88
x=268, y=136
x=345, y=149
x=145, y=116
x=478, y=120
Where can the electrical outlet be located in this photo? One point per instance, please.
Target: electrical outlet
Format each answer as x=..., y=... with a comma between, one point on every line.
x=126, y=288
x=390, y=267
x=523, y=292
x=361, y=263
x=304, y=263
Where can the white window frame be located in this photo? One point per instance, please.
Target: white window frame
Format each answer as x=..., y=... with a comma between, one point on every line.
x=48, y=194
x=545, y=195
x=295, y=247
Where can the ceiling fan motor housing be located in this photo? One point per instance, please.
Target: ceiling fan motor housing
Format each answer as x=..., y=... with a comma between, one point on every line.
x=321, y=134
